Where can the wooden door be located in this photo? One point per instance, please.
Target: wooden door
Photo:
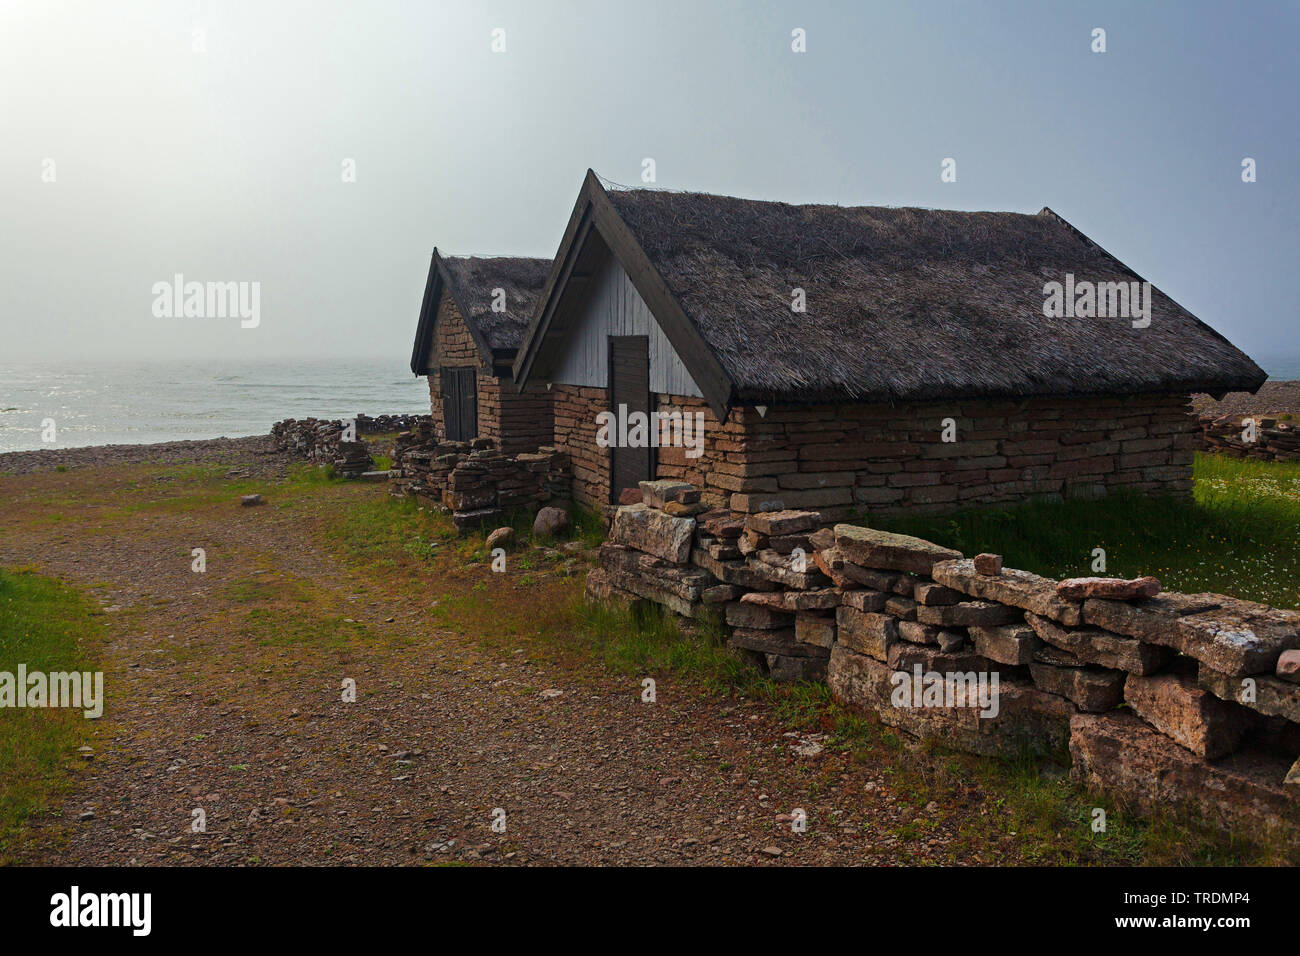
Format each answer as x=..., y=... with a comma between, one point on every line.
x=629, y=385
x=460, y=403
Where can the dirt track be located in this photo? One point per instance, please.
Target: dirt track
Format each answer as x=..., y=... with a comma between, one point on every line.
x=216, y=702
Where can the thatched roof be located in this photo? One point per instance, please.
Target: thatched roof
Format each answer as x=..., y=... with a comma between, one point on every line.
x=472, y=281
x=902, y=303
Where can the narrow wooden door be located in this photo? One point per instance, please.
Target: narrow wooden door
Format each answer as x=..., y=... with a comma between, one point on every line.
x=460, y=403
x=629, y=391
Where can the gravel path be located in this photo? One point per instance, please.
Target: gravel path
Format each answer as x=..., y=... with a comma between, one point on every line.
x=204, y=714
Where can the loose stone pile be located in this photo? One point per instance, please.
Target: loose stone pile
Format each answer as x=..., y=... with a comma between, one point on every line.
x=1160, y=698
x=1274, y=440
x=322, y=442
x=475, y=481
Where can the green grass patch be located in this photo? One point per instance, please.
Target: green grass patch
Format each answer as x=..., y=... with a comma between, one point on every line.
x=49, y=627
x=282, y=627
x=1236, y=536
x=648, y=641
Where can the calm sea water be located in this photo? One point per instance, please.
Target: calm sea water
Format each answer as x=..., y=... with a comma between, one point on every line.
x=137, y=403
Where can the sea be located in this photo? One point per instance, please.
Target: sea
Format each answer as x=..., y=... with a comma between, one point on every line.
x=131, y=403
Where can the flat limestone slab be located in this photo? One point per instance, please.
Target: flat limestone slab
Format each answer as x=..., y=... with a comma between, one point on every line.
x=732, y=572
x=1114, y=589
x=654, y=532
x=817, y=629
x=623, y=563
x=968, y=613
x=1092, y=645
x=888, y=551
x=1188, y=715
x=1029, y=592
x=779, y=569
x=1092, y=691
x=782, y=522
x=1230, y=635
x=866, y=632
x=773, y=642
x=1009, y=644
x=743, y=614
x=905, y=657
x=1271, y=696
x=1026, y=719
x=656, y=494
x=1119, y=755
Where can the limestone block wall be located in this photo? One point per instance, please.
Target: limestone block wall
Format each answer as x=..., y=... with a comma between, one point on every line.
x=844, y=460
x=1160, y=699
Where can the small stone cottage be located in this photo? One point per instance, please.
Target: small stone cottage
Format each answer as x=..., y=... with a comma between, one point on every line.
x=870, y=358
x=474, y=314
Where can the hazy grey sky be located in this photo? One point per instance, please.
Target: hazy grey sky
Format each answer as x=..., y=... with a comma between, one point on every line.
x=226, y=162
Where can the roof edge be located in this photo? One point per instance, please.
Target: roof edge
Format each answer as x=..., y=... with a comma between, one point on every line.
x=593, y=210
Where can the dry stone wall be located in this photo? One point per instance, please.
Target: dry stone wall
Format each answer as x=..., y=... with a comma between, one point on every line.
x=475, y=481
x=322, y=441
x=1273, y=439
x=1159, y=698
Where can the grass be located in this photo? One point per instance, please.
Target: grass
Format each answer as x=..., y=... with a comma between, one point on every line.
x=1238, y=535
x=48, y=627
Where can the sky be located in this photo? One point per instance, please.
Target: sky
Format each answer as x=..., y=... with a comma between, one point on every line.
x=322, y=149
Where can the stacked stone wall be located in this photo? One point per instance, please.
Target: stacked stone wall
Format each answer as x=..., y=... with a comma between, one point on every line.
x=1159, y=698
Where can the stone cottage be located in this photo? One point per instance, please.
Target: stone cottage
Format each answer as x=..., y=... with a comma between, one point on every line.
x=869, y=358
x=474, y=314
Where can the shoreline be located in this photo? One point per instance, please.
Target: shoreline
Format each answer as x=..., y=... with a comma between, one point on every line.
x=252, y=456
x=1273, y=398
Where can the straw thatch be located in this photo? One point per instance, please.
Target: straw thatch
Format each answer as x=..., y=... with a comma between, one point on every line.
x=472, y=282
x=909, y=304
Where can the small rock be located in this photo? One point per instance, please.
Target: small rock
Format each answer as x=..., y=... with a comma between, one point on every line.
x=1288, y=666
x=550, y=521
x=249, y=500
x=810, y=746
x=771, y=851
x=950, y=641
x=989, y=565
x=551, y=692
x=1111, y=589
x=88, y=815
x=501, y=538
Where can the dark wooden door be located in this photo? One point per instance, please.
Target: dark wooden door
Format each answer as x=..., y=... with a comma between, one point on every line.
x=629, y=385
x=460, y=403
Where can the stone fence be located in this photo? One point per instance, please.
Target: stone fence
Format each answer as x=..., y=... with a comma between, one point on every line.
x=1160, y=698
x=474, y=480
x=322, y=442
x=1274, y=440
